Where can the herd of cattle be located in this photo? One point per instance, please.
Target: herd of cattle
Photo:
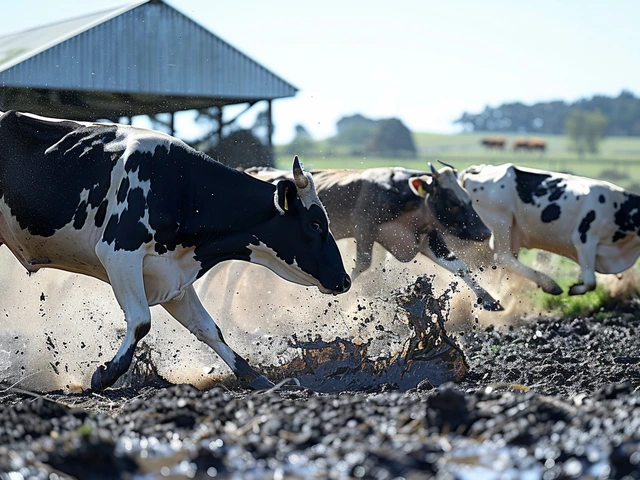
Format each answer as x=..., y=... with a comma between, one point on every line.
x=530, y=144
x=148, y=214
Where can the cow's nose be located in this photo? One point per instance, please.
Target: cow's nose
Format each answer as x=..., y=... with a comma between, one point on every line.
x=346, y=284
x=484, y=233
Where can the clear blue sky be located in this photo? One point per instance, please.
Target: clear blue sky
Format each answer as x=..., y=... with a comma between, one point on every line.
x=423, y=61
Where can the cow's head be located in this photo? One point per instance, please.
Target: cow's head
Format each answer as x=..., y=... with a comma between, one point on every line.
x=296, y=243
x=450, y=203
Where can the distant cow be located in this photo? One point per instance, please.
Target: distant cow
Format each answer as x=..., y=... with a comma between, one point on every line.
x=494, y=142
x=534, y=143
x=594, y=223
x=148, y=214
x=403, y=210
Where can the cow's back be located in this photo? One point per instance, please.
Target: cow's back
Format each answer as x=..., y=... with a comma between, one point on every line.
x=47, y=167
x=360, y=198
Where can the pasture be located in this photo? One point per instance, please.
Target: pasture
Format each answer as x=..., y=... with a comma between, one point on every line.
x=618, y=160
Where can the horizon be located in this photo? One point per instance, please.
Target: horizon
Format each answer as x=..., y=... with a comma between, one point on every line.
x=422, y=62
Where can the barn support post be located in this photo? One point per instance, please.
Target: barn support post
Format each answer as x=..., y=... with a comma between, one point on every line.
x=219, y=120
x=270, y=125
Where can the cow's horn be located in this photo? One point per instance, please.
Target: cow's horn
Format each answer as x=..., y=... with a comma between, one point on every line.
x=447, y=165
x=433, y=169
x=298, y=175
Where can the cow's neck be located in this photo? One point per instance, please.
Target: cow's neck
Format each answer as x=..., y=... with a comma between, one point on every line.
x=226, y=209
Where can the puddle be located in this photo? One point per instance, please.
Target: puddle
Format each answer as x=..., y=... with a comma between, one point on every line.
x=429, y=354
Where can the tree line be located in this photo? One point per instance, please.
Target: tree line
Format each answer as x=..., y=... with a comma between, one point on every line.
x=622, y=115
x=359, y=135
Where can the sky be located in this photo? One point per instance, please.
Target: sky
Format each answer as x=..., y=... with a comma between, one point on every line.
x=423, y=61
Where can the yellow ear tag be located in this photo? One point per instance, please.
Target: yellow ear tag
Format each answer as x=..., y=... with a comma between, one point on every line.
x=419, y=186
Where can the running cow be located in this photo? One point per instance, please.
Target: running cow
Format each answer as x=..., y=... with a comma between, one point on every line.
x=594, y=223
x=403, y=210
x=148, y=214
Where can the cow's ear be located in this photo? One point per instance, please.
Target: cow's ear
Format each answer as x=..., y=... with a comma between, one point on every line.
x=422, y=185
x=285, y=197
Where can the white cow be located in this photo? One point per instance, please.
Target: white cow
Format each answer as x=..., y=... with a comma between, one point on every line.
x=594, y=223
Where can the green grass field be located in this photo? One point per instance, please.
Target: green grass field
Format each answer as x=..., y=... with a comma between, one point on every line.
x=618, y=159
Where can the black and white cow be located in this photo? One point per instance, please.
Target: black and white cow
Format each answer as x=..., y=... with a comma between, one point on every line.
x=148, y=214
x=594, y=223
x=402, y=210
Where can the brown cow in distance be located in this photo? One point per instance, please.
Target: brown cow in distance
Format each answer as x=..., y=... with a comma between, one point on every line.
x=533, y=143
x=494, y=142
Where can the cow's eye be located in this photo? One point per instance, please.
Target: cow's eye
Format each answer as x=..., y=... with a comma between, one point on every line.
x=315, y=226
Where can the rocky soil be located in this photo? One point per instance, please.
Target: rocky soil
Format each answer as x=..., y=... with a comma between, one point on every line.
x=548, y=398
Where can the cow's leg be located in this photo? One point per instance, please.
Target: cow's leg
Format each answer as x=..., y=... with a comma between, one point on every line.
x=587, y=261
x=364, y=253
x=506, y=257
x=125, y=277
x=435, y=248
x=190, y=312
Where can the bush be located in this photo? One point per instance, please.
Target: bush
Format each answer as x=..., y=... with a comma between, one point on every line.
x=241, y=148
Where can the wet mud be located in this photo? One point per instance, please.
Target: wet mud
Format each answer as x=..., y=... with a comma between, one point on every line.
x=543, y=398
x=429, y=355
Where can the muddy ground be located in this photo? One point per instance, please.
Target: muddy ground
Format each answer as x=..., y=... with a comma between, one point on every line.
x=546, y=398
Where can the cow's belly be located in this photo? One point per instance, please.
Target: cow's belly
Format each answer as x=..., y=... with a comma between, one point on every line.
x=544, y=236
x=618, y=257
x=166, y=276
x=67, y=249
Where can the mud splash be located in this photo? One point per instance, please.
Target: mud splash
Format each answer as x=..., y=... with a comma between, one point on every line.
x=428, y=355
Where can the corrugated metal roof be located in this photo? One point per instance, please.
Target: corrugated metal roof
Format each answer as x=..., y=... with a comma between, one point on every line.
x=146, y=48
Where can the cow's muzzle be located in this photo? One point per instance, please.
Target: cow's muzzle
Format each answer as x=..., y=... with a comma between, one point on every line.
x=481, y=233
x=342, y=285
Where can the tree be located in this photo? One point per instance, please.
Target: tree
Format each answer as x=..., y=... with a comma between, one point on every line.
x=241, y=148
x=302, y=143
x=622, y=113
x=354, y=130
x=391, y=137
x=585, y=130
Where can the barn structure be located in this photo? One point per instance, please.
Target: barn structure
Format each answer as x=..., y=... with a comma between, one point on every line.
x=144, y=58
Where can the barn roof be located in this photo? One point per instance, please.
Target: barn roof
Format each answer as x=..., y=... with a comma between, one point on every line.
x=141, y=58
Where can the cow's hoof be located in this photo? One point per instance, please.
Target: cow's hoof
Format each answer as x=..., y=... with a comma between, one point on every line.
x=492, y=306
x=579, y=289
x=257, y=383
x=553, y=290
x=98, y=382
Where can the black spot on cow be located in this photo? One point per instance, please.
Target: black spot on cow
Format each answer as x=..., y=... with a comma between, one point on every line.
x=601, y=199
x=550, y=213
x=501, y=186
x=80, y=216
x=585, y=224
x=127, y=230
x=618, y=236
x=47, y=181
x=556, y=188
x=529, y=185
x=101, y=213
x=627, y=217
x=123, y=189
